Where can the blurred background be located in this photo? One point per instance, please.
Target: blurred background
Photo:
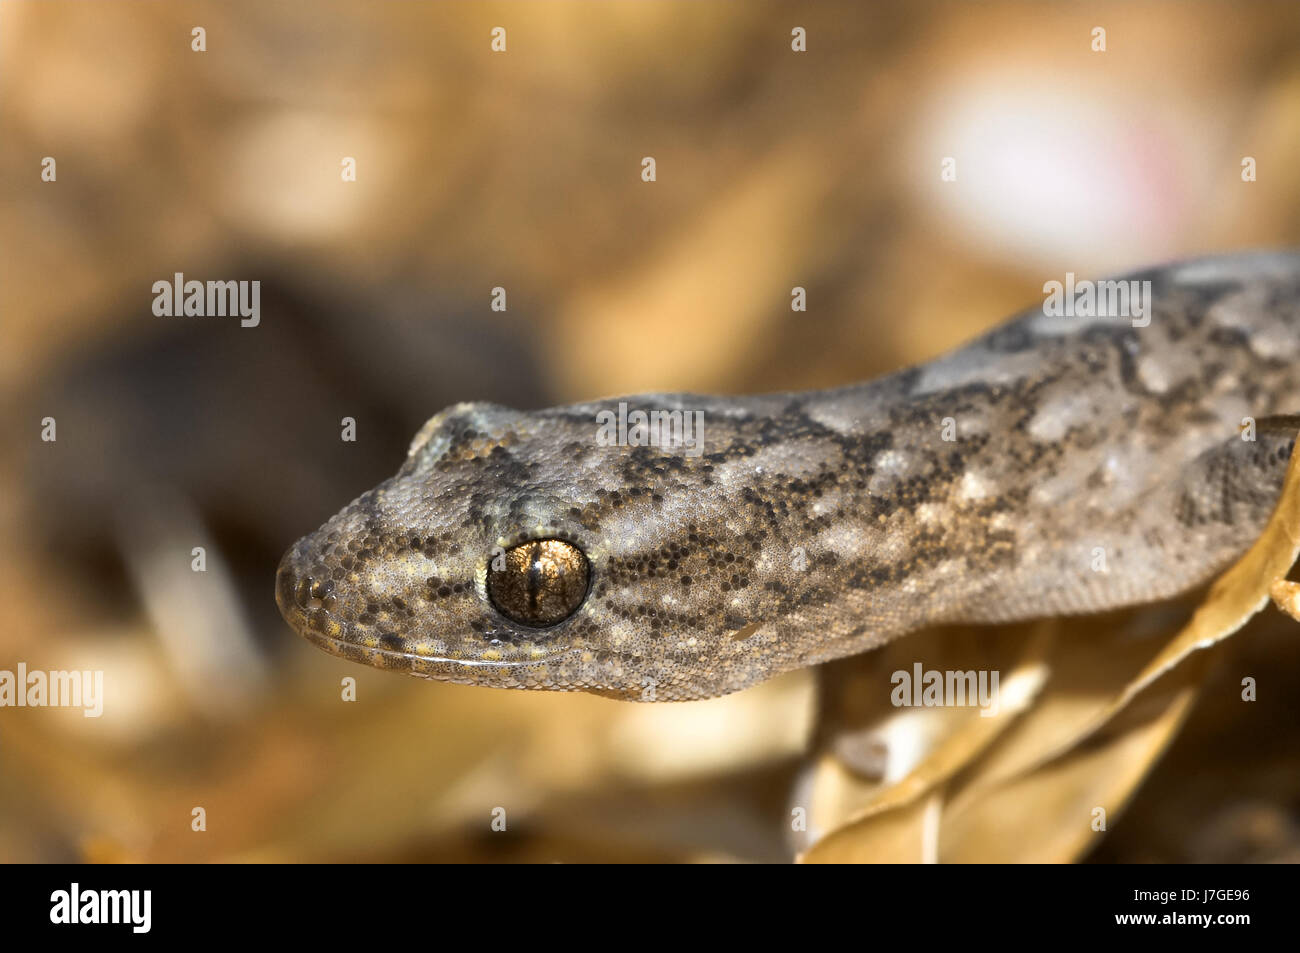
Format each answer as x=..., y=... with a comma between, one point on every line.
x=522, y=169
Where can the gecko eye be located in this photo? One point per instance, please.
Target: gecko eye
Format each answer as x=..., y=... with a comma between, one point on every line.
x=538, y=583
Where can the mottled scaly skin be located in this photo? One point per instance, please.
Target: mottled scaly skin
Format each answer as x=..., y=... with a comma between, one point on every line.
x=1092, y=465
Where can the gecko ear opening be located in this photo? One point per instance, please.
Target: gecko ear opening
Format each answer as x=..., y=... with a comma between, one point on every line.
x=539, y=583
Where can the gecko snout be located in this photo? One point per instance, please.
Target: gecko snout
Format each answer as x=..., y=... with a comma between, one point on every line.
x=297, y=591
x=317, y=609
x=299, y=595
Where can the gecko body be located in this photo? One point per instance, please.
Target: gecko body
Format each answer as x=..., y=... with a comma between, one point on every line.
x=1055, y=465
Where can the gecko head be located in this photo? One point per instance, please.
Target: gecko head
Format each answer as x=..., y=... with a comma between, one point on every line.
x=519, y=550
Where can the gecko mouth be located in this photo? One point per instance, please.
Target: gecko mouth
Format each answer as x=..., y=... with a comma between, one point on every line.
x=401, y=660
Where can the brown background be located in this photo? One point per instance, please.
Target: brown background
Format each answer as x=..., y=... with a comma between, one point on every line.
x=522, y=169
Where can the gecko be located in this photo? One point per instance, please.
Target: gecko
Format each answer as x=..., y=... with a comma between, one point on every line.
x=1054, y=466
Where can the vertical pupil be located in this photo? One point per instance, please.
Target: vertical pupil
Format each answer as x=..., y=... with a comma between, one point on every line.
x=543, y=582
x=534, y=576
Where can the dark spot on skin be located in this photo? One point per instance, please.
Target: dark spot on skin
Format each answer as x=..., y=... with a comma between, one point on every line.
x=1229, y=337
x=1010, y=339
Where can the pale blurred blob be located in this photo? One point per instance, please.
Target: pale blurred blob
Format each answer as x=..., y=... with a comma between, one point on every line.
x=1047, y=173
x=284, y=175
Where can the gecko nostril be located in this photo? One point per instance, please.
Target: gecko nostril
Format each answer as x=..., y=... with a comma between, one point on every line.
x=315, y=592
x=303, y=592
